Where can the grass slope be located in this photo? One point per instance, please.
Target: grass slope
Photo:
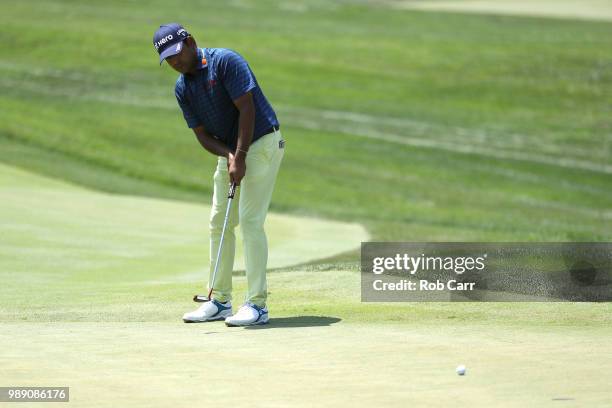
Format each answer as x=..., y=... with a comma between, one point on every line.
x=462, y=127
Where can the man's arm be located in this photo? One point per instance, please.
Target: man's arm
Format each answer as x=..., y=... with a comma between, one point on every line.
x=246, y=124
x=211, y=144
x=236, y=161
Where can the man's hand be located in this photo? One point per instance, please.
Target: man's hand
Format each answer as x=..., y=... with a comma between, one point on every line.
x=236, y=166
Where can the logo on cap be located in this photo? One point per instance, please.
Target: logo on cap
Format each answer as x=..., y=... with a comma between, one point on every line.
x=163, y=41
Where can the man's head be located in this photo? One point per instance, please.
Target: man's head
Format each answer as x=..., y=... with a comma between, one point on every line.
x=175, y=45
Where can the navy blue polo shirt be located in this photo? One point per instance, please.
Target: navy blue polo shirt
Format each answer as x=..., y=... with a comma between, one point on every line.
x=206, y=98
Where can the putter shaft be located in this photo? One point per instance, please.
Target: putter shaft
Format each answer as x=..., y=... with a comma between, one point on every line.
x=230, y=197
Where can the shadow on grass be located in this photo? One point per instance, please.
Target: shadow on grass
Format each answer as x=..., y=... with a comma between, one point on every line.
x=297, y=321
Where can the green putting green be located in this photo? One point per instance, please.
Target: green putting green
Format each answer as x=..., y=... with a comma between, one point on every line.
x=313, y=361
x=94, y=286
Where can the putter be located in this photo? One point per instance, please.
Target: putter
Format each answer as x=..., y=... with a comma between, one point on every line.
x=230, y=197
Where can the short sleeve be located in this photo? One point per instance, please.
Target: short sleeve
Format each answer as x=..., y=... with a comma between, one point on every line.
x=188, y=113
x=235, y=74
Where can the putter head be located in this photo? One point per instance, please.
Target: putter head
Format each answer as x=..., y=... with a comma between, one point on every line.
x=201, y=298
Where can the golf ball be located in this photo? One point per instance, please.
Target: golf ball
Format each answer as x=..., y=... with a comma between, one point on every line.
x=461, y=370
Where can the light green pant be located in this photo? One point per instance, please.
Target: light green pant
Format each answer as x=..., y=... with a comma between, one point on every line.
x=253, y=199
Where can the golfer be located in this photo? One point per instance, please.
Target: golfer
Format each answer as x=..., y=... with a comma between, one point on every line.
x=231, y=118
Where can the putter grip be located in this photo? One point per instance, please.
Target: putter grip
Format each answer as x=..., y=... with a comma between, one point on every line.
x=232, y=191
